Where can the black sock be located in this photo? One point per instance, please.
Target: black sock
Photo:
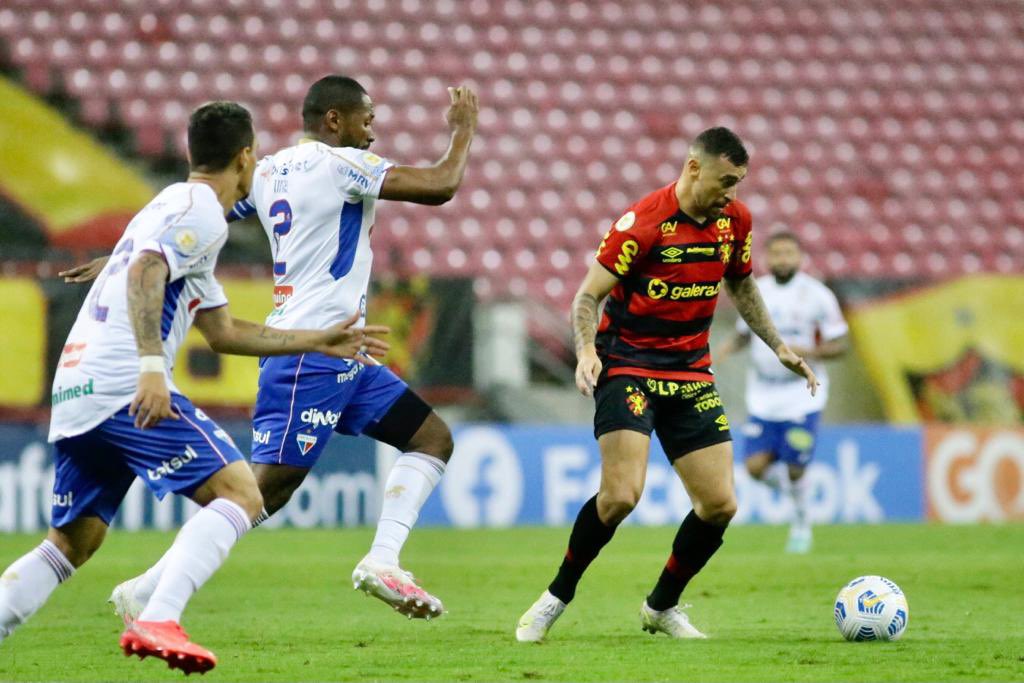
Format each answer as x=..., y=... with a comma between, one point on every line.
x=695, y=543
x=589, y=535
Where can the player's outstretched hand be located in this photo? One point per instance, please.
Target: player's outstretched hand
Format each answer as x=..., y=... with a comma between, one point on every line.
x=345, y=341
x=797, y=364
x=464, y=108
x=152, y=401
x=85, y=272
x=588, y=369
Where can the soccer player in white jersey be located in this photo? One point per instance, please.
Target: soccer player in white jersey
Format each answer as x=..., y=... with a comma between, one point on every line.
x=784, y=418
x=316, y=201
x=117, y=414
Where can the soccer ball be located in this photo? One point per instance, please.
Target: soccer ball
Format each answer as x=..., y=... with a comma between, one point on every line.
x=871, y=608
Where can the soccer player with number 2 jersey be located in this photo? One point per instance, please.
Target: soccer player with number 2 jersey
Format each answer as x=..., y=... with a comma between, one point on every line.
x=117, y=414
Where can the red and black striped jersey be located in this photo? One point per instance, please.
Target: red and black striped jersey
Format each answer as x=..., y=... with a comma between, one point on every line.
x=657, y=319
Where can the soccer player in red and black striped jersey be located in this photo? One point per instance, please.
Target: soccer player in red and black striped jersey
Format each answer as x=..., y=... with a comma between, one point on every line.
x=648, y=366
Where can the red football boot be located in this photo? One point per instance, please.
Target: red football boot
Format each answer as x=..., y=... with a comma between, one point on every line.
x=166, y=640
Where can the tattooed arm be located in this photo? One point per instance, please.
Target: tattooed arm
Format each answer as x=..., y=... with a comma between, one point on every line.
x=747, y=297
x=595, y=287
x=226, y=334
x=146, y=279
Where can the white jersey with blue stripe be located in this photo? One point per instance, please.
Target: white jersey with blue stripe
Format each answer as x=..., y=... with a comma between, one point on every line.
x=98, y=371
x=805, y=312
x=316, y=204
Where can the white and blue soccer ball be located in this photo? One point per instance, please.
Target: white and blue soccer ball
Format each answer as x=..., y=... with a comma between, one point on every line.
x=871, y=608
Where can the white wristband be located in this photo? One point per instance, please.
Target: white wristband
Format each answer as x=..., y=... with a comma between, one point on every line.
x=152, y=364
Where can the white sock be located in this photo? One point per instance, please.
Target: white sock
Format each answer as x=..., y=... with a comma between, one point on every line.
x=199, y=550
x=409, y=484
x=145, y=584
x=26, y=584
x=798, y=492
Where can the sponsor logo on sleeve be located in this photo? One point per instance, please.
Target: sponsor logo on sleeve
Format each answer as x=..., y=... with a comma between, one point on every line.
x=629, y=250
x=626, y=222
x=262, y=438
x=186, y=240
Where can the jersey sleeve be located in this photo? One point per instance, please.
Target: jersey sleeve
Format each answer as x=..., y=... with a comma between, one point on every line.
x=358, y=173
x=831, y=323
x=190, y=242
x=741, y=261
x=211, y=293
x=626, y=244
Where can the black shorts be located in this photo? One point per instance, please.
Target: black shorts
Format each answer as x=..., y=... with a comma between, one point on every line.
x=686, y=416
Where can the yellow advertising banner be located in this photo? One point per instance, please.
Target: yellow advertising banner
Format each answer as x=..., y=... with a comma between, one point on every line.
x=23, y=370
x=952, y=352
x=32, y=316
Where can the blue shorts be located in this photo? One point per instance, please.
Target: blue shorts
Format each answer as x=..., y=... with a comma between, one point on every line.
x=791, y=442
x=302, y=399
x=94, y=470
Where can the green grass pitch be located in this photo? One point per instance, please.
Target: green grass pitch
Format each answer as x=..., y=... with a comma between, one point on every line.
x=283, y=609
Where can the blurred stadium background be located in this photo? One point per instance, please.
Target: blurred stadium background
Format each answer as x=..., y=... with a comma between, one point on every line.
x=888, y=135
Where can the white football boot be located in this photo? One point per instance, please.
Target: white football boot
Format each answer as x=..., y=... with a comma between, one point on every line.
x=126, y=604
x=396, y=587
x=537, y=620
x=672, y=622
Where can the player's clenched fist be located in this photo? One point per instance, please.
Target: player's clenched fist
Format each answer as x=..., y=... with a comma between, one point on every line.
x=464, y=108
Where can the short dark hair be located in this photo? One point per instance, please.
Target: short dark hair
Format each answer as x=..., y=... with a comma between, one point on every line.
x=340, y=93
x=217, y=132
x=721, y=141
x=784, y=235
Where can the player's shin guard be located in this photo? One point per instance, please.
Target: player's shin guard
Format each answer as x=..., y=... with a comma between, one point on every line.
x=589, y=535
x=26, y=584
x=199, y=550
x=695, y=543
x=408, y=486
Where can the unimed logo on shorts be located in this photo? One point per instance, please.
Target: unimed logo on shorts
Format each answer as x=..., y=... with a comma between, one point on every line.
x=974, y=474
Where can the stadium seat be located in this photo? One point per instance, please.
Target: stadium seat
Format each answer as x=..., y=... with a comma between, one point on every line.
x=873, y=147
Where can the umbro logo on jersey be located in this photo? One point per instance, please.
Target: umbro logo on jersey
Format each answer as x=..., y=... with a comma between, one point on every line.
x=672, y=255
x=320, y=418
x=169, y=467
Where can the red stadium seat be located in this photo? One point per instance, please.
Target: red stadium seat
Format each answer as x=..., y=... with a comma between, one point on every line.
x=911, y=121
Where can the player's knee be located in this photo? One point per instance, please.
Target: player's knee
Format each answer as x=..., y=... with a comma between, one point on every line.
x=756, y=466
x=436, y=441
x=615, y=506
x=718, y=510
x=76, y=550
x=248, y=498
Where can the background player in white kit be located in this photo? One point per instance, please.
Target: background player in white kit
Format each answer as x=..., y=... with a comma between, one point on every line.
x=316, y=201
x=783, y=416
x=117, y=414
